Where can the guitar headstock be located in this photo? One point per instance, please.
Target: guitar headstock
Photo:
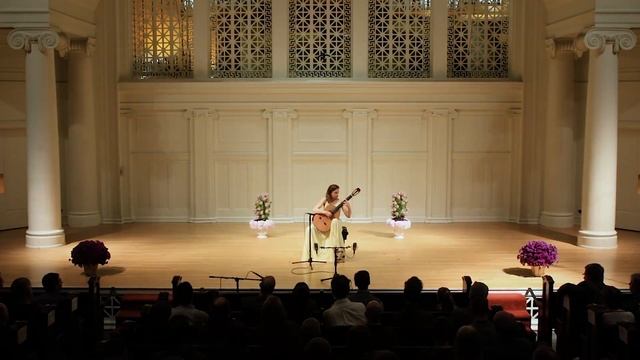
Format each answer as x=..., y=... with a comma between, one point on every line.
x=354, y=193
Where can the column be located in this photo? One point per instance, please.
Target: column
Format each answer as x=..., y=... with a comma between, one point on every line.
x=280, y=162
x=558, y=206
x=82, y=177
x=43, y=156
x=360, y=167
x=601, y=137
x=201, y=123
x=439, y=152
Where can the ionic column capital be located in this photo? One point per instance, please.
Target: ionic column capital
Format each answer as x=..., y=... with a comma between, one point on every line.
x=81, y=45
x=562, y=46
x=25, y=39
x=621, y=39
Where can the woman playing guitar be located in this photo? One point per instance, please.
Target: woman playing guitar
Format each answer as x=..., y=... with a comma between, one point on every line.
x=326, y=229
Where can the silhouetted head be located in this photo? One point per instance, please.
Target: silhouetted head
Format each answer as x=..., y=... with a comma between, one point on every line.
x=273, y=312
x=267, y=285
x=468, y=344
x=373, y=312
x=184, y=294
x=478, y=290
x=412, y=289
x=310, y=328
x=445, y=299
x=221, y=308
x=634, y=284
x=21, y=291
x=594, y=273
x=340, y=287
x=52, y=282
x=544, y=352
x=301, y=291
x=362, y=280
x=317, y=349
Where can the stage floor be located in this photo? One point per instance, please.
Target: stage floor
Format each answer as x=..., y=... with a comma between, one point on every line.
x=147, y=255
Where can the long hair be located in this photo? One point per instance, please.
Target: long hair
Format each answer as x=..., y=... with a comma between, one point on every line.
x=330, y=189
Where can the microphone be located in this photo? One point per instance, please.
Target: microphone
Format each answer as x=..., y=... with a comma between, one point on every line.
x=315, y=247
x=354, y=247
x=256, y=274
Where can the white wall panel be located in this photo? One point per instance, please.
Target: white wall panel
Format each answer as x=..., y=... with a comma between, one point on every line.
x=400, y=172
x=312, y=175
x=238, y=181
x=480, y=186
x=13, y=165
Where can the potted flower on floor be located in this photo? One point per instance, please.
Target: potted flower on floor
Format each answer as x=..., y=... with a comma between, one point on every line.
x=539, y=255
x=89, y=254
x=398, y=222
x=262, y=224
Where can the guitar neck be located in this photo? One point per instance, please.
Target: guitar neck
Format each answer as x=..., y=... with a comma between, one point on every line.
x=340, y=205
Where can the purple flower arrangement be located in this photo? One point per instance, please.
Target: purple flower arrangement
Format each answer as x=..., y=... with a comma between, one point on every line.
x=538, y=253
x=399, y=206
x=262, y=207
x=90, y=252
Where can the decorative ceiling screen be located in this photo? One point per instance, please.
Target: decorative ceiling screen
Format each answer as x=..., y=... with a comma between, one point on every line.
x=478, y=39
x=162, y=33
x=319, y=38
x=399, y=44
x=240, y=38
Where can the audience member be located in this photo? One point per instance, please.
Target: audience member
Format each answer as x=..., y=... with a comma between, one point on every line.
x=302, y=306
x=21, y=305
x=359, y=344
x=468, y=344
x=446, y=304
x=343, y=312
x=253, y=306
x=4, y=315
x=310, y=328
x=52, y=295
x=615, y=313
x=317, y=349
x=362, y=280
x=592, y=289
x=184, y=306
x=373, y=312
x=415, y=322
x=544, y=352
x=275, y=332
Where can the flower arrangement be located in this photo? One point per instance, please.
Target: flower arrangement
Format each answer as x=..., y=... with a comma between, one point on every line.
x=398, y=222
x=261, y=224
x=263, y=207
x=90, y=252
x=398, y=206
x=538, y=253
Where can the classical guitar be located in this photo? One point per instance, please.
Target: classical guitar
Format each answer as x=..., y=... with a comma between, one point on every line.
x=322, y=222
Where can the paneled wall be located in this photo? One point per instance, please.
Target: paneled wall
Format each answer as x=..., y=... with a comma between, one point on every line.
x=186, y=157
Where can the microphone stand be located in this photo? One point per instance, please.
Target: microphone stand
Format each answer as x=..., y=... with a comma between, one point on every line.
x=234, y=278
x=310, y=259
x=335, y=259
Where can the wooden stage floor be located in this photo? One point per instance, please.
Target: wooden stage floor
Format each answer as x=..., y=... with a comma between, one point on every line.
x=147, y=255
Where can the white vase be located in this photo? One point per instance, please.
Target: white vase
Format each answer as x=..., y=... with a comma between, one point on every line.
x=261, y=227
x=399, y=227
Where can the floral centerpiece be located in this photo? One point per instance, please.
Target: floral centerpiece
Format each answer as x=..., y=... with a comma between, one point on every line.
x=261, y=224
x=89, y=254
x=539, y=255
x=398, y=221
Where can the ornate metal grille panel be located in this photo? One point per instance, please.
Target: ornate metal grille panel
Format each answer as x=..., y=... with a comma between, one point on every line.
x=478, y=39
x=162, y=31
x=240, y=38
x=319, y=38
x=399, y=38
